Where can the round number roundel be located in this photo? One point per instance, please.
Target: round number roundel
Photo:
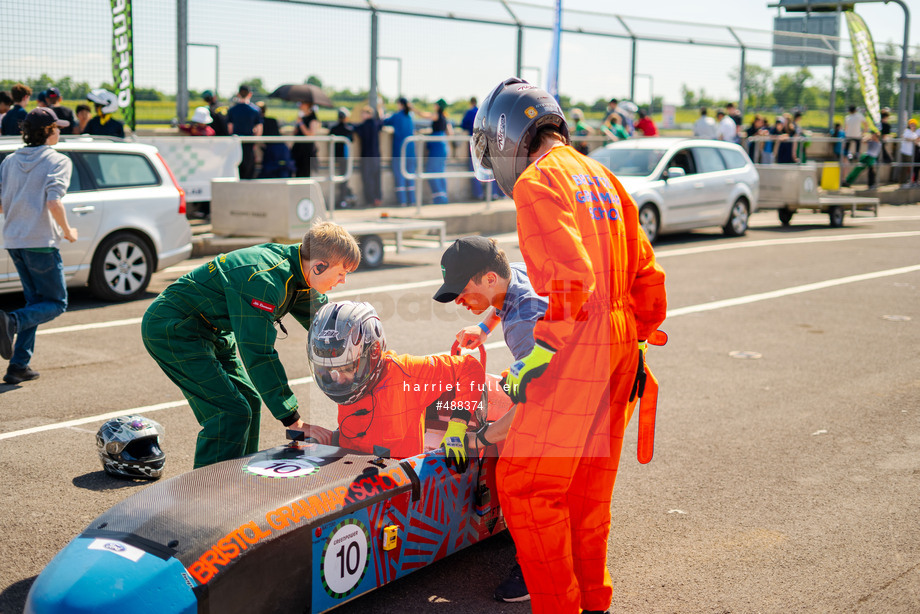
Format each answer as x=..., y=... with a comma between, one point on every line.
x=305, y=210
x=345, y=558
x=280, y=468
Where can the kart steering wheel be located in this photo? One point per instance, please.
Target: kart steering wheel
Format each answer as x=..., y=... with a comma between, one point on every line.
x=455, y=351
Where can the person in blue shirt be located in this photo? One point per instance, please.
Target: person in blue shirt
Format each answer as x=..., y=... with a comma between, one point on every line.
x=467, y=124
x=245, y=119
x=838, y=133
x=436, y=152
x=403, y=126
x=478, y=276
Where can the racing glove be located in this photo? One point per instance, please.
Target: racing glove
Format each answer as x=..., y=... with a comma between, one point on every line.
x=638, y=387
x=454, y=445
x=528, y=369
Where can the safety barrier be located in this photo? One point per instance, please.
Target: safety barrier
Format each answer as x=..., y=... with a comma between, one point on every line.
x=893, y=147
x=421, y=175
x=332, y=179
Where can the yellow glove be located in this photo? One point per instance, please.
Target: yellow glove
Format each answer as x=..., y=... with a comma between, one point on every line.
x=527, y=369
x=454, y=445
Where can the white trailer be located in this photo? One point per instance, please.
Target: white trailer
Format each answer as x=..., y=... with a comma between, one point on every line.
x=284, y=209
x=790, y=187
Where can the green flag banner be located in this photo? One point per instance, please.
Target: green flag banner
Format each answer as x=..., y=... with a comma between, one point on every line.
x=123, y=58
x=866, y=66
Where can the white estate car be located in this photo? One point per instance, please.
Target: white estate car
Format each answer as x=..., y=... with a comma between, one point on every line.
x=128, y=210
x=680, y=184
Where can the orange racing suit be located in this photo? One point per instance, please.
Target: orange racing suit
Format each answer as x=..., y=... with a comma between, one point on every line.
x=393, y=414
x=580, y=237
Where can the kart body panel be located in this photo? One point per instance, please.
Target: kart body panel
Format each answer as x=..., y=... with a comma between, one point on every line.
x=296, y=528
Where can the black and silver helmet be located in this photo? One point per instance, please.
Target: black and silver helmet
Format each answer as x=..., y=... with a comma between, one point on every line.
x=346, y=350
x=505, y=126
x=129, y=447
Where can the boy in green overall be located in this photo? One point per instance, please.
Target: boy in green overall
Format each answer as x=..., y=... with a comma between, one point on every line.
x=193, y=328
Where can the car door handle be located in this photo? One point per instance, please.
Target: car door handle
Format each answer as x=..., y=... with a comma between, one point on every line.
x=84, y=209
x=698, y=185
x=730, y=181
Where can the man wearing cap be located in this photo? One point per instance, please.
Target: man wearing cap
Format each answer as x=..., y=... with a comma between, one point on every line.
x=477, y=276
x=218, y=113
x=33, y=181
x=53, y=97
x=344, y=195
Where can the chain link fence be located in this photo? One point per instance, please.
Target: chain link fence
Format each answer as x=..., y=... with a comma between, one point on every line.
x=429, y=49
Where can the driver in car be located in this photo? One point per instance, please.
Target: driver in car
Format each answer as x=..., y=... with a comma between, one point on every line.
x=382, y=396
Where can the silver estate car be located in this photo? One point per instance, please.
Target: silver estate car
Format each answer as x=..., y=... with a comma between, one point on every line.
x=129, y=213
x=680, y=184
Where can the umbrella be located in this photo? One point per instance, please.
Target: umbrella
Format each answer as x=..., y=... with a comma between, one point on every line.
x=302, y=92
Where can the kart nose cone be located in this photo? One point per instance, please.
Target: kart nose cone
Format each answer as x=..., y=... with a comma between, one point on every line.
x=108, y=575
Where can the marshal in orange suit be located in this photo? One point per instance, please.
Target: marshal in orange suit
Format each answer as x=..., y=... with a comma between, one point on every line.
x=585, y=251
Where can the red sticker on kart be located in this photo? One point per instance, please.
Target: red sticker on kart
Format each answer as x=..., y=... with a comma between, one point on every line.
x=263, y=305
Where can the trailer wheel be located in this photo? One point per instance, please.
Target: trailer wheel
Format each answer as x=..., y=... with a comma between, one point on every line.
x=835, y=214
x=371, y=251
x=785, y=215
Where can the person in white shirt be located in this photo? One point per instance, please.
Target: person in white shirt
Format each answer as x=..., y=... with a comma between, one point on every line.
x=854, y=125
x=727, y=128
x=705, y=126
x=909, y=146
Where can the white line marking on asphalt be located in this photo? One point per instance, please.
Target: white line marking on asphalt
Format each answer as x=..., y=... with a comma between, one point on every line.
x=335, y=296
x=94, y=325
x=793, y=241
x=763, y=296
x=152, y=408
x=681, y=311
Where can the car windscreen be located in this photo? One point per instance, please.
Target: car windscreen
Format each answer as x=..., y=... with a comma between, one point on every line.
x=629, y=162
x=120, y=170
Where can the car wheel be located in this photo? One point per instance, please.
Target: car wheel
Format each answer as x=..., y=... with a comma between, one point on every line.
x=737, y=220
x=648, y=220
x=371, y=251
x=836, y=216
x=785, y=216
x=122, y=267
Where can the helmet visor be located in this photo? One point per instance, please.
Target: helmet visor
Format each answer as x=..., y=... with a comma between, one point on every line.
x=341, y=382
x=479, y=154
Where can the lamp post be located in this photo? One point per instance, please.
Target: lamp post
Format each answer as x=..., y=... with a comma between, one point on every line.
x=651, y=91
x=398, y=71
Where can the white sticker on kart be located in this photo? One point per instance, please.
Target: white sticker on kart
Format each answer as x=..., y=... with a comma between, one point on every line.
x=281, y=468
x=345, y=558
x=116, y=547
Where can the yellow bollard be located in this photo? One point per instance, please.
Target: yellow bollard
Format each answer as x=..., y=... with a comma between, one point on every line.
x=830, y=177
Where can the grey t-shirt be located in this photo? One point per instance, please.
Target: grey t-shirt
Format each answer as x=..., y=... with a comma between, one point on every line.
x=29, y=177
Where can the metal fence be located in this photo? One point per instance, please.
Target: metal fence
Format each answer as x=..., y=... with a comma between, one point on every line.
x=395, y=47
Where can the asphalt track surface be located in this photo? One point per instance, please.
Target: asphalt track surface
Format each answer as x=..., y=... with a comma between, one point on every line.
x=787, y=458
